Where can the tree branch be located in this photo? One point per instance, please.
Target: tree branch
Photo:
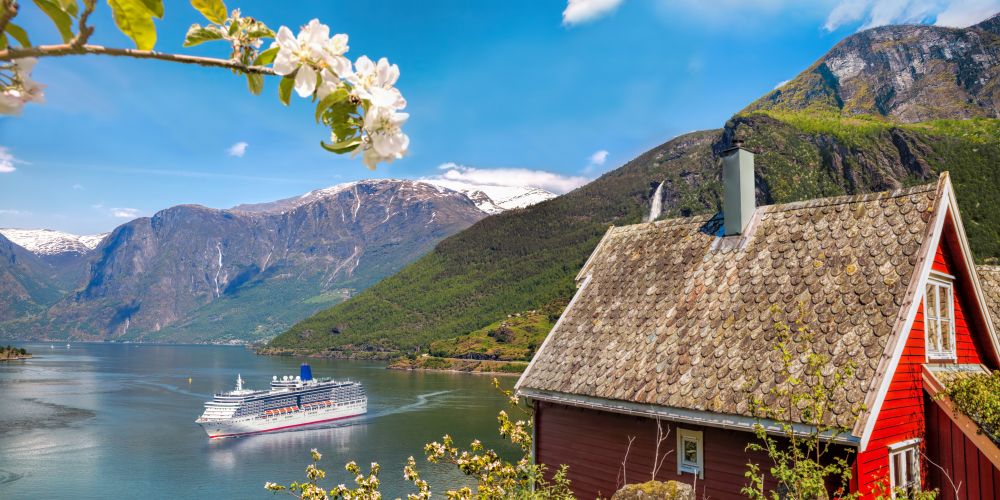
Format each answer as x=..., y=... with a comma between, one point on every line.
x=9, y=10
x=69, y=49
x=84, y=31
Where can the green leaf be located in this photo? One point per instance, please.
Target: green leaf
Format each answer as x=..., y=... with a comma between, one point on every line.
x=197, y=35
x=59, y=17
x=285, y=89
x=266, y=57
x=155, y=7
x=342, y=146
x=133, y=19
x=328, y=101
x=213, y=10
x=260, y=30
x=69, y=6
x=3, y=41
x=19, y=34
x=255, y=82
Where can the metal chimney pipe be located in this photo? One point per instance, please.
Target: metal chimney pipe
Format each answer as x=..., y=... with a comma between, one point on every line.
x=739, y=196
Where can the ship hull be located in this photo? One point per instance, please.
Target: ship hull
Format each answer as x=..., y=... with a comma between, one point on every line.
x=242, y=426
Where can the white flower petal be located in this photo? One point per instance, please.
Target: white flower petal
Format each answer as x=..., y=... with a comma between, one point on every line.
x=305, y=81
x=285, y=63
x=286, y=39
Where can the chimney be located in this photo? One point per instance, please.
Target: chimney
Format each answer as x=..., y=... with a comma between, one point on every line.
x=739, y=200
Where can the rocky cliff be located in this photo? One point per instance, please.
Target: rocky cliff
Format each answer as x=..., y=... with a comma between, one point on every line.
x=906, y=73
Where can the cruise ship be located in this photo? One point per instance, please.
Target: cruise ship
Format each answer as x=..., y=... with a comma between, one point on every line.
x=291, y=402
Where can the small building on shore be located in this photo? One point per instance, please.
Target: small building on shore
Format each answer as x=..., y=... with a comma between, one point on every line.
x=673, y=328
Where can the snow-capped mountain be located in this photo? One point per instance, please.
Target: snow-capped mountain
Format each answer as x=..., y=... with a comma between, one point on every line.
x=47, y=242
x=491, y=199
x=494, y=199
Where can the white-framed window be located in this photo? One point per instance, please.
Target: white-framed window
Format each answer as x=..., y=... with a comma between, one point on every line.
x=939, y=319
x=904, y=467
x=690, y=452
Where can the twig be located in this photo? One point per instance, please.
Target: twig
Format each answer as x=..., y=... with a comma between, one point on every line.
x=84, y=31
x=623, y=475
x=10, y=8
x=660, y=438
x=68, y=49
x=943, y=471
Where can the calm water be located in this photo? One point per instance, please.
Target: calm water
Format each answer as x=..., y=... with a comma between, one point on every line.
x=99, y=421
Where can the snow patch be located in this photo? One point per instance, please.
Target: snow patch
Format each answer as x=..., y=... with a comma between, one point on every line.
x=50, y=242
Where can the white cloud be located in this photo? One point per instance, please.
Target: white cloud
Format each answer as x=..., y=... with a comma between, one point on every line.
x=549, y=181
x=125, y=213
x=599, y=157
x=963, y=14
x=77, y=187
x=11, y=211
x=7, y=161
x=872, y=13
x=781, y=84
x=581, y=11
x=238, y=150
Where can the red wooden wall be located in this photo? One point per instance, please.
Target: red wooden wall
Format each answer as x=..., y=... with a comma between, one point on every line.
x=970, y=471
x=593, y=444
x=902, y=415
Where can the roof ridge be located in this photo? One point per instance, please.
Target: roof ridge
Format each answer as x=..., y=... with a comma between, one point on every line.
x=851, y=198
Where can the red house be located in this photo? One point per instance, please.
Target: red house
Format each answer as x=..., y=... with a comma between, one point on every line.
x=673, y=322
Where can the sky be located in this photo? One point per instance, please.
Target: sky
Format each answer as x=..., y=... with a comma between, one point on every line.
x=547, y=93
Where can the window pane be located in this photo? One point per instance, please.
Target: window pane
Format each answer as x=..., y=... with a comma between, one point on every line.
x=930, y=309
x=931, y=324
x=899, y=468
x=690, y=451
x=913, y=468
x=946, y=336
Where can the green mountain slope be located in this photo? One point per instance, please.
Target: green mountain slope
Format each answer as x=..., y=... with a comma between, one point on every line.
x=525, y=259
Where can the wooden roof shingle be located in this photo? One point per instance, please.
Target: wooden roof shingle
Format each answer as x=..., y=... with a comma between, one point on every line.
x=672, y=315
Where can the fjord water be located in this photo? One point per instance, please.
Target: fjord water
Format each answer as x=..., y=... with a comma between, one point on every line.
x=117, y=420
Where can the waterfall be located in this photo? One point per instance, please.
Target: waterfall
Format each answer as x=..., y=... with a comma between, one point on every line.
x=657, y=206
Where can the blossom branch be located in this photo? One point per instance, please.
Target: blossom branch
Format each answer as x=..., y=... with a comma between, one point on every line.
x=68, y=49
x=9, y=10
x=84, y=31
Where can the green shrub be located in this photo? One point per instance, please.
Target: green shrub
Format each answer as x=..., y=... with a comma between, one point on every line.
x=978, y=396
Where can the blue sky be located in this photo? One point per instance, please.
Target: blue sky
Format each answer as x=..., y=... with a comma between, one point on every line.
x=531, y=85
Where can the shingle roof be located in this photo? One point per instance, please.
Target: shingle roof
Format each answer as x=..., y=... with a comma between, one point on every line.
x=674, y=316
x=989, y=278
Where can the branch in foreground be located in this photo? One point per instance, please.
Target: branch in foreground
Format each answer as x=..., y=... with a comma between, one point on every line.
x=71, y=50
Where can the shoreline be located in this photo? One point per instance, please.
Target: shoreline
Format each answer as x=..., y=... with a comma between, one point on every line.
x=449, y=370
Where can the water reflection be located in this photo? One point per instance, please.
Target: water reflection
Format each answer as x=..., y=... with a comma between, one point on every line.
x=335, y=440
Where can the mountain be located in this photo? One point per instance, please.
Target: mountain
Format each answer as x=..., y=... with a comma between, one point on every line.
x=807, y=147
x=494, y=199
x=192, y=273
x=25, y=285
x=64, y=254
x=906, y=73
x=47, y=243
x=491, y=199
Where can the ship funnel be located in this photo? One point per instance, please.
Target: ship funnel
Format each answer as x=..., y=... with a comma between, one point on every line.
x=305, y=372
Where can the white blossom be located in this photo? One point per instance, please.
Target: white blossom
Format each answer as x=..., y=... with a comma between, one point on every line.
x=374, y=82
x=333, y=55
x=301, y=53
x=22, y=89
x=385, y=141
